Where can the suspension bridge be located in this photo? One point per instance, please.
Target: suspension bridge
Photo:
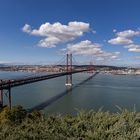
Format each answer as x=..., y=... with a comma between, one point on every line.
x=7, y=85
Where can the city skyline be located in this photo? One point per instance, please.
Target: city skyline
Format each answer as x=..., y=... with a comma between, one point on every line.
x=40, y=32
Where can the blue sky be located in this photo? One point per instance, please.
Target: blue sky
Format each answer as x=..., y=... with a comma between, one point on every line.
x=40, y=31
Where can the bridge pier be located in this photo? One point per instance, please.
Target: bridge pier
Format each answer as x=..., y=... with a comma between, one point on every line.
x=9, y=98
x=69, y=69
x=9, y=95
x=1, y=97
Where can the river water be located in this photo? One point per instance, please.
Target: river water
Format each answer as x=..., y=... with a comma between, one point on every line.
x=104, y=91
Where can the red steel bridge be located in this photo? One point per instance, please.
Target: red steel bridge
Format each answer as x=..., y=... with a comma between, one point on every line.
x=6, y=85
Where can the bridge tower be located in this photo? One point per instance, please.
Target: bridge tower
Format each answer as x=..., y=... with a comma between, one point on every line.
x=69, y=70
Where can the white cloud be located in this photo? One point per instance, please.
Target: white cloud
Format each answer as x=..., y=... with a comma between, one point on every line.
x=120, y=41
x=84, y=48
x=117, y=53
x=87, y=48
x=114, y=56
x=58, y=33
x=100, y=59
x=94, y=32
x=26, y=28
x=114, y=30
x=132, y=46
x=125, y=38
x=111, y=56
x=49, y=42
x=134, y=50
x=128, y=33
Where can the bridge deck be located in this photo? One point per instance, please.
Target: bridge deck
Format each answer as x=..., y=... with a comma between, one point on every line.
x=23, y=81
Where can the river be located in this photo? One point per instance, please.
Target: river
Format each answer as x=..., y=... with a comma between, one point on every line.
x=104, y=91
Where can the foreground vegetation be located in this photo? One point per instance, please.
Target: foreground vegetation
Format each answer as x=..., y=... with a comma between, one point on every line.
x=17, y=124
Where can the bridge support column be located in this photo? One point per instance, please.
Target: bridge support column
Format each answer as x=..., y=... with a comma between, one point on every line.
x=69, y=69
x=9, y=96
x=1, y=97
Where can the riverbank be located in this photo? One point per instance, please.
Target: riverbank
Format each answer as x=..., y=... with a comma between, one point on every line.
x=18, y=124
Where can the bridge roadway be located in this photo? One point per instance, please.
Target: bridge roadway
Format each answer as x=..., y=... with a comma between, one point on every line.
x=18, y=82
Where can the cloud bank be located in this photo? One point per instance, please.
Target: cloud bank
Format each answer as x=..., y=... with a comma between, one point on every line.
x=125, y=38
x=87, y=48
x=57, y=33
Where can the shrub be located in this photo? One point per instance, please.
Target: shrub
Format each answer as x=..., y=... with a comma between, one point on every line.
x=16, y=114
x=84, y=126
